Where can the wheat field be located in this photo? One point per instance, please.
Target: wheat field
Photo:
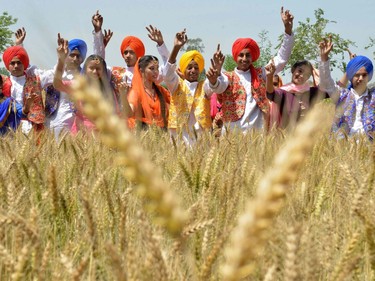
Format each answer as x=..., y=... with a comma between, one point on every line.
x=125, y=205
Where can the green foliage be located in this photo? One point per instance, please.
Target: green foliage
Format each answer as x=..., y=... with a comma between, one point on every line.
x=6, y=20
x=229, y=63
x=307, y=36
x=4, y=71
x=371, y=45
x=194, y=44
x=265, y=46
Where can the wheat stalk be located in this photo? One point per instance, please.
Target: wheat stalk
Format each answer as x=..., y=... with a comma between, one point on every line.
x=158, y=197
x=250, y=234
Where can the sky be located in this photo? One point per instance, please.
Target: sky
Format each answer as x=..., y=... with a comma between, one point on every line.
x=220, y=21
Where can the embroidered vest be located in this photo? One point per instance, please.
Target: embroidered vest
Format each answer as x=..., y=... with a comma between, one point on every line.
x=233, y=99
x=32, y=85
x=182, y=102
x=346, y=112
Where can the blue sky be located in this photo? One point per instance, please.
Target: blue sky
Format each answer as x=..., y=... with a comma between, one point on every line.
x=220, y=21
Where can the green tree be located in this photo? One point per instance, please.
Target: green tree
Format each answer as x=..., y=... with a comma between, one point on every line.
x=6, y=20
x=4, y=71
x=229, y=63
x=371, y=45
x=194, y=44
x=266, y=49
x=307, y=36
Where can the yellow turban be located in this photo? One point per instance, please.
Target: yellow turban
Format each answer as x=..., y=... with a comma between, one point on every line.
x=188, y=57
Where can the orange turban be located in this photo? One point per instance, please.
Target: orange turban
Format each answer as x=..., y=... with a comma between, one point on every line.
x=188, y=57
x=16, y=51
x=245, y=43
x=135, y=44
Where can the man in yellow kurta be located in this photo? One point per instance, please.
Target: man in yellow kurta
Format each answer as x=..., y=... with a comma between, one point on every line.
x=190, y=98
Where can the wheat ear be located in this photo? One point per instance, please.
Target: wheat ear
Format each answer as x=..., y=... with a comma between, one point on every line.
x=250, y=234
x=158, y=197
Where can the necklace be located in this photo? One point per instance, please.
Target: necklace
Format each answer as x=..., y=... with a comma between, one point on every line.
x=151, y=93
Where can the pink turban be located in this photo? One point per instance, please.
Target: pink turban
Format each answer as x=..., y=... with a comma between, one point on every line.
x=16, y=51
x=245, y=43
x=187, y=57
x=135, y=44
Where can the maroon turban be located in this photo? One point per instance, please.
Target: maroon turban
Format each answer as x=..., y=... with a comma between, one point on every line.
x=246, y=43
x=16, y=51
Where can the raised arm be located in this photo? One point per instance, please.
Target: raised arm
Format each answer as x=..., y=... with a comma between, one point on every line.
x=326, y=82
x=270, y=72
x=287, y=19
x=62, y=53
x=169, y=72
x=179, y=41
x=283, y=55
x=20, y=36
x=344, y=79
x=155, y=35
x=214, y=75
x=217, y=62
x=99, y=43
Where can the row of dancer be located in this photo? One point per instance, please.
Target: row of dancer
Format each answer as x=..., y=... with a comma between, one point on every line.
x=247, y=95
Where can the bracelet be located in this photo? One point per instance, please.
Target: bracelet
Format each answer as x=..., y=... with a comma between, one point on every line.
x=214, y=86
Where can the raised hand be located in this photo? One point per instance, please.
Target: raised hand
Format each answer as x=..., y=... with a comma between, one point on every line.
x=155, y=35
x=218, y=59
x=212, y=73
x=217, y=62
x=181, y=38
x=325, y=47
x=20, y=36
x=270, y=69
x=287, y=19
x=29, y=100
x=351, y=55
x=62, y=48
x=107, y=37
x=97, y=21
x=124, y=87
x=316, y=76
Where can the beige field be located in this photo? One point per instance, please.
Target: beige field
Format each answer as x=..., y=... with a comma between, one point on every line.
x=125, y=206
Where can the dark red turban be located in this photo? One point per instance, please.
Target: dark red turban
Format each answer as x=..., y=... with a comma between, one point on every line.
x=16, y=51
x=245, y=43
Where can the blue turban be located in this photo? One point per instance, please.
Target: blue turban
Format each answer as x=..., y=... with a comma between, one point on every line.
x=356, y=64
x=80, y=45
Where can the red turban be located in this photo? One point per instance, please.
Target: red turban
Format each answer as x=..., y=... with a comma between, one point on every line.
x=135, y=44
x=246, y=43
x=16, y=51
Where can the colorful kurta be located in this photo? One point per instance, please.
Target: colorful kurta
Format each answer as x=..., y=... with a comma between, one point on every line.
x=233, y=100
x=346, y=113
x=354, y=114
x=183, y=101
